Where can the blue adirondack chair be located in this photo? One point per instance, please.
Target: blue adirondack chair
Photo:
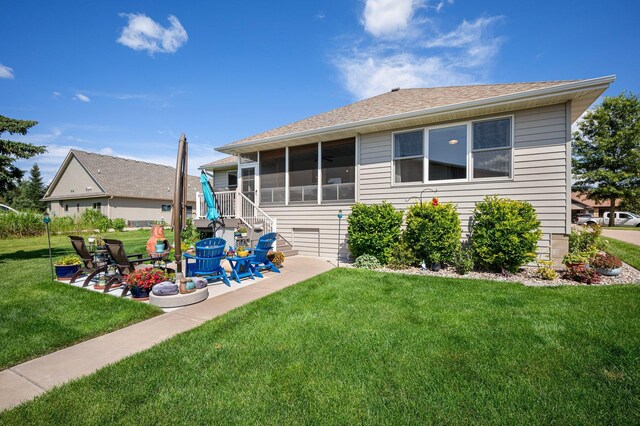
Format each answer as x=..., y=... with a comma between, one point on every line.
x=209, y=253
x=265, y=244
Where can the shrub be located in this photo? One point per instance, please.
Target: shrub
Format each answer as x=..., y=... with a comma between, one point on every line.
x=104, y=224
x=463, y=260
x=545, y=270
x=62, y=224
x=504, y=234
x=605, y=261
x=373, y=229
x=586, y=240
x=367, y=261
x=401, y=256
x=146, y=278
x=21, y=224
x=90, y=219
x=582, y=274
x=433, y=230
x=118, y=224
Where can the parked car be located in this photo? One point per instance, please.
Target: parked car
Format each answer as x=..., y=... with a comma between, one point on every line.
x=620, y=219
x=6, y=209
x=582, y=218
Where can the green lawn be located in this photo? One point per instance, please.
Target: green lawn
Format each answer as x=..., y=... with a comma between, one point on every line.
x=627, y=252
x=361, y=347
x=38, y=316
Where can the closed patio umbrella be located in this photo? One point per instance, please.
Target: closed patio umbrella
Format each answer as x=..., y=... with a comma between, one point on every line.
x=212, y=212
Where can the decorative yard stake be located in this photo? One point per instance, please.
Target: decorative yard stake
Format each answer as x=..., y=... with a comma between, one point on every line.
x=46, y=219
x=339, y=233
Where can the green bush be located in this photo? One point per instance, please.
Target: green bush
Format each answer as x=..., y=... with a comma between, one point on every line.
x=367, y=261
x=104, y=224
x=21, y=224
x=463, y=261
x=586, y=241
x=401, y=256
x=504, y=234
x=64, y=224
x=433, y=231
x=373, y=229
x=118, y=224
x=91, y=219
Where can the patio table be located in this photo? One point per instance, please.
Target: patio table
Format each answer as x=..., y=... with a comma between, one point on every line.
x=241, y=267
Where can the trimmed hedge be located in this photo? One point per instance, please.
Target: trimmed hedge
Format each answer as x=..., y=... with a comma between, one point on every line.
x=373, y=229
x=504, y=234
x=433, y=231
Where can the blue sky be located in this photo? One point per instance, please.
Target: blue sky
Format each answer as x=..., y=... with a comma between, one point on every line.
x=126, y=78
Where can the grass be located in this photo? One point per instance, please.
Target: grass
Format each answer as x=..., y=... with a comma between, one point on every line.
x=38, y=316
x=627, y=252
x=362, y=347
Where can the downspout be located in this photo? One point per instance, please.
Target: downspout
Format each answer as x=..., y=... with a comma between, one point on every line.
x=109, y=206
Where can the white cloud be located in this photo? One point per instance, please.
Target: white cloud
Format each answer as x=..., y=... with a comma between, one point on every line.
x=143, y=33
x=81, y=97
x=388, y=18
x=6, y=72
x=467, y=33
x=56, y=94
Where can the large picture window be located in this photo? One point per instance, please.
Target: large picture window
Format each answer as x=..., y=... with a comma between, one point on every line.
x=338, y=170
x=303, y=174
x=272, y=176
x=492, y=148
x=448, y=153
x=408, y=156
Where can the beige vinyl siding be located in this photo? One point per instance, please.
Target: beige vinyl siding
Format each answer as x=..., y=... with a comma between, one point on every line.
x=139, y=209
x=74, y=182
x=539, y=173
x=221, y=179
x=76, y=206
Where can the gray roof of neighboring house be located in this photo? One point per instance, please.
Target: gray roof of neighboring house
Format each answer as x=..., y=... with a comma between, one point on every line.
x=224, y=163
x=122, y=177
x=398, y=102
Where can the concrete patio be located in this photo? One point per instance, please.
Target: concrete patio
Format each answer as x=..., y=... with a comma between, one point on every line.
x=27, y=380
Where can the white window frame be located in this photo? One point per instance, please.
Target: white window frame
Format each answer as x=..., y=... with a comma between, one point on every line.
x=470, y=151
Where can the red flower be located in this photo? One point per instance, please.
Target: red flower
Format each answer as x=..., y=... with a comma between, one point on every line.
x=146, y=278
x=434, y=201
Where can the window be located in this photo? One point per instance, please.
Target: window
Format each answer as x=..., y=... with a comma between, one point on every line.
x=408, y=156
x=448, y=153
x=97, y=206
x=338, y=170
x=492, y=148
x=303, y=174
x=66, y=207
x=189, y=211
x=166, y=207
x=232, y=179
x=78, y=207
x=272, y=176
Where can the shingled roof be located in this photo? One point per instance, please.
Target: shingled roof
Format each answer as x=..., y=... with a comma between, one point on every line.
x=121, y=177
x=223, y=163
x=401, y=101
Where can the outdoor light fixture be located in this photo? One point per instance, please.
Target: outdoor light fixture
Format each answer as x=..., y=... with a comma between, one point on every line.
x=46, y=219
x=339, y=233
x=453, y=141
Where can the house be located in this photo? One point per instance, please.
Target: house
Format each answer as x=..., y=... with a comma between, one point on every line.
x=582, y=204
x=465, y=142
x=224, y=173
x=136, y=191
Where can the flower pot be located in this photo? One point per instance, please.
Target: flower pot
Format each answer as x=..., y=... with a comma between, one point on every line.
x=243, y=234
x=139, y=293
x=65, y=272
x=609, y=272
x=435, y=267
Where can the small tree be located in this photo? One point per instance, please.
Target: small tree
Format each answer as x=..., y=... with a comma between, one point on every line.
x=10, y=151
x=31, y=192
x=606, y=151
x=373, y=229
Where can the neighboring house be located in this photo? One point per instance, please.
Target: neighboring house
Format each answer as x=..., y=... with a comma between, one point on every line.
x=136, y=191
x=466, y=142
x=224, y=173
x=582, y=204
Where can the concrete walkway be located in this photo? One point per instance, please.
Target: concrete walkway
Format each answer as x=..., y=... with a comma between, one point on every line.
x=625, y=235
x=28, y=380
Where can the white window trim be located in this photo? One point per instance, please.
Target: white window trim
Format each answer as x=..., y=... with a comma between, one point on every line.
x=469, y=178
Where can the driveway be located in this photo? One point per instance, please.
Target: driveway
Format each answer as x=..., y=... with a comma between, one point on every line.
x=632, y=237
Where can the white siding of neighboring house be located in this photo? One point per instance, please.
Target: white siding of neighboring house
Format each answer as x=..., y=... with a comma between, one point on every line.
x=540, y=177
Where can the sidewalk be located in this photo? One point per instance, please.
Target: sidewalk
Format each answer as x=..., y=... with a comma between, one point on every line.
x=29, y=379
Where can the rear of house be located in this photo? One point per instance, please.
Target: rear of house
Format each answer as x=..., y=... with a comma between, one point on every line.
x=457, y=143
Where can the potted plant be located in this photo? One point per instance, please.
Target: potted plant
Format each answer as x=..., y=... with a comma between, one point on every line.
x=276, y=257
x=575, y=259
x=607, y=264
x=236, y=232
x=243, y=231
x=242, y=251
x=67, y=266
x=435, y=261
x=142, y=280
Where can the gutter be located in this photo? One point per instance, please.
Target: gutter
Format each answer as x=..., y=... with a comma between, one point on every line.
x=594, y=83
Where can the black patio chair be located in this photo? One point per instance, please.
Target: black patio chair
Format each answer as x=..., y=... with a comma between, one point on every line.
x=125, y=264
x=90, y=266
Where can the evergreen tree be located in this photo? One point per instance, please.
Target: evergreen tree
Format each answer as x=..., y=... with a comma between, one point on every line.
x=10, y=151
x=606, y=151
x=30, y=192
